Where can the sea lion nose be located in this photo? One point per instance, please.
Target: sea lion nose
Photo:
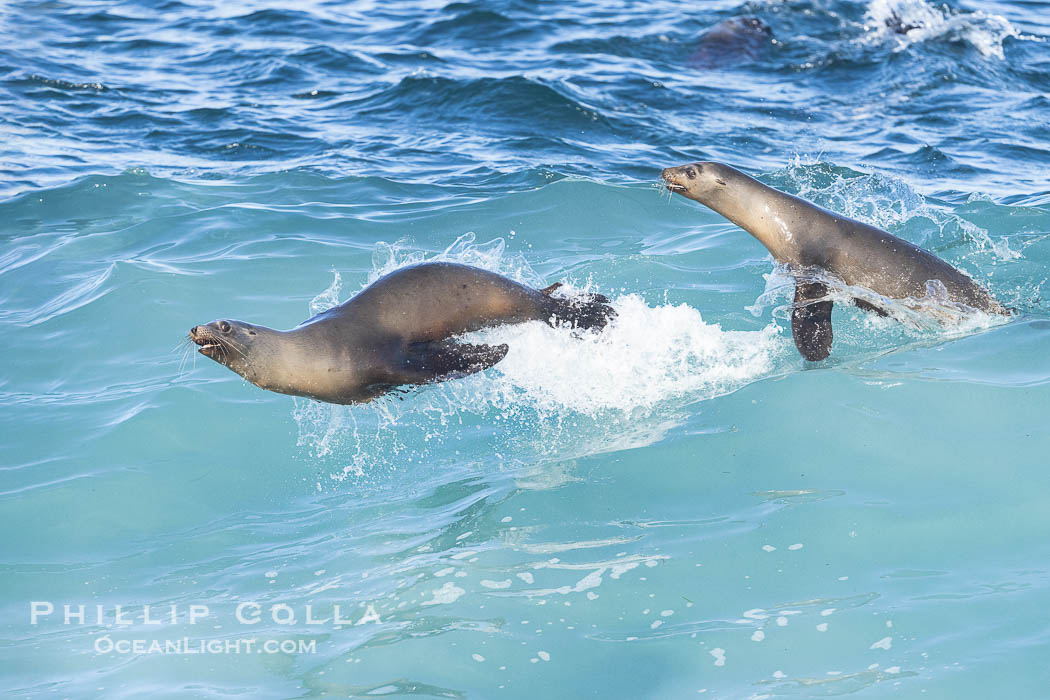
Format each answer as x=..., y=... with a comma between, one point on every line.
x=666, y=174
x=194, y=331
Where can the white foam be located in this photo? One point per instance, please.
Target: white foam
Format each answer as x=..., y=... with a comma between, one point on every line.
x=496, y=584
x=448, y=593
x=884, y=643
x=985, y=32
x=329, y=297
x=648, y=355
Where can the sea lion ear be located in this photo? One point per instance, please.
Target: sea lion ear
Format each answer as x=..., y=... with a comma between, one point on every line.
x=811, y=320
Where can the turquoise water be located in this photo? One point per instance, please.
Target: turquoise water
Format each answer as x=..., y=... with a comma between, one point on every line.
x=676, y=506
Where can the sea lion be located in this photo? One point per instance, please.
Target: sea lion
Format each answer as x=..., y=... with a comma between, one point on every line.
x=803, y=235
x=732, y=41
x=397, y=331
x=897, y=25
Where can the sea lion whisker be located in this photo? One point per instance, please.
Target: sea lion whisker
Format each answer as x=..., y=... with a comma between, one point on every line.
x=664, y=189
x=230, y=343
x=186, y=350
x=187, y=346
x=183, y=342
x=224, y=350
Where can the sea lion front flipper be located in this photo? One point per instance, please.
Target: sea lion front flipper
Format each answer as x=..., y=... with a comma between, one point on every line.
x=868, y=306
x=444, y=359
x=811, y=320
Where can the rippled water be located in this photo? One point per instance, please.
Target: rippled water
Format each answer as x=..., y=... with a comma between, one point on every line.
x=677, y=505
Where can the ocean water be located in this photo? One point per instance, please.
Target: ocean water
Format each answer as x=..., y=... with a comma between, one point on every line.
x=676, y=507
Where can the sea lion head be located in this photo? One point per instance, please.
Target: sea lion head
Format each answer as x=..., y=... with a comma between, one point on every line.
x=232, y=344
x=701, y=182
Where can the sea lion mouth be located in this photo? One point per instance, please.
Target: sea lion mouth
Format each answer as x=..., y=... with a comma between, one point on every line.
x=670, y=181
x=209, y=345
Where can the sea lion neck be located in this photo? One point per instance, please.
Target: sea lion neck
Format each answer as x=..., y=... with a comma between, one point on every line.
x=768, y=214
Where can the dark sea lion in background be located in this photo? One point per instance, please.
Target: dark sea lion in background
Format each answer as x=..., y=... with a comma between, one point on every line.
x=396, y=331
x=731, y=41
x=803, y=235
x=895, y=24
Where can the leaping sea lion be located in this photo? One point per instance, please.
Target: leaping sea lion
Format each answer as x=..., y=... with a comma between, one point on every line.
x=397, y=331
x=803, y=235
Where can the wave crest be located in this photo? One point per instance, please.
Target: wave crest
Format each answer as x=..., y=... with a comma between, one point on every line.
x=910, y=22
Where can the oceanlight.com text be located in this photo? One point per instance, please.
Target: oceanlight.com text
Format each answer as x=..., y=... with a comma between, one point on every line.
x=251, y=645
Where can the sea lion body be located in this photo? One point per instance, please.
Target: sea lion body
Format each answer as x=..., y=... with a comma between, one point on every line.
x=397, y=331
x=732, y=41
x=804, y=235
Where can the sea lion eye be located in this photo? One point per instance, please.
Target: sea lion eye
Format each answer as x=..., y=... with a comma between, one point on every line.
x=690, y=172
x=224, y=326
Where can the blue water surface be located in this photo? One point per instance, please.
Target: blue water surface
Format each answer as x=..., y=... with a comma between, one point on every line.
x=677, y=506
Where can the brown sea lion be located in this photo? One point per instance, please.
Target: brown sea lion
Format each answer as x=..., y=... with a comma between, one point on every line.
x=804, y=236
x=397, y=331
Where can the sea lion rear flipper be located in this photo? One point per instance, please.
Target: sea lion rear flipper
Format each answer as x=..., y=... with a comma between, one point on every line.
x=548, y=290
x=444, y=359
x=868, y=306
x=811, y=320
x=584, y=311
